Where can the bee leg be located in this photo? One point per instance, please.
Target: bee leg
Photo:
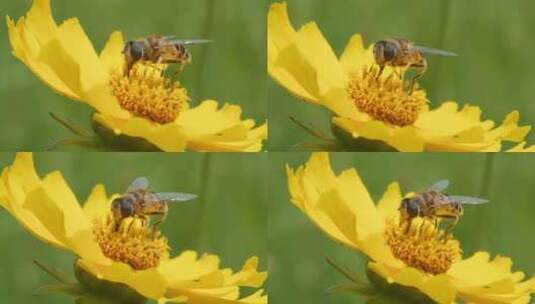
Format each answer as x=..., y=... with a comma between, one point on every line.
x=420, y=228
x=177, y=72
x=421, y=69
x=447, y=231
x=409, y=224
x=381, y=69
x=157, y=223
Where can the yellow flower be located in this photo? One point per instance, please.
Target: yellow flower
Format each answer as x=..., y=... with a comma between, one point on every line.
x=369, y=107
x=341, y=207
x=143, y=104
x=125, y=252
x=521, y=147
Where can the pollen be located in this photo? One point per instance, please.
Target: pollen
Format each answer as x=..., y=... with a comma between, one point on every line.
x=131, y=242
x=386, y=98
x=422, y=246
x=146, y=92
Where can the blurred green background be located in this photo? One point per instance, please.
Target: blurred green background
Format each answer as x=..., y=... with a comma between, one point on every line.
x=229, y=218
x=297, y=249
x=494, y=39
x=232, y=69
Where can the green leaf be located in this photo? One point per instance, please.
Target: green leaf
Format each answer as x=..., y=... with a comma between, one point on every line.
x=100, y=299
x=353, y=276
x=74, y=290
x=353, y=288
x=314, y=132
x=71, y=127
x=56, y=274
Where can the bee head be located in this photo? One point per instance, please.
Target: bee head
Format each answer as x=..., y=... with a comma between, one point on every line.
x=122, y=207
x=384, y=51
x=409, y=207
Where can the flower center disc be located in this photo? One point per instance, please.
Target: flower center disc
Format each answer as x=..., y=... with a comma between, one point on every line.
x=132, y=242
x=422, y=246
x=145, y=92
x=386, y=98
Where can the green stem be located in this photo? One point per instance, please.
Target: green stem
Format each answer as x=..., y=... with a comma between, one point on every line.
x=202, y=57
x=444, y=16
x=486, y=180
x=200, y=216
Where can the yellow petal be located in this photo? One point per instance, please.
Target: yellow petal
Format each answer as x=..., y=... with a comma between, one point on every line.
x=339, y=205
x=446, y=120
x=477, y=271
x=509, y=129
x=521, y=147
x=62, y=57
x=481, y=280
x=168, y=137
x=187, y=267
x=281, y=35
x=447, y=129
x=389, y=204
x=148, y=283
x=193, y=280
x=16, y=182
x=405, y=139
x=56, y=207
x=48, y=208
x=97, y=205
x=249, y=276
x=305, y=62
x=111, y=55
x=26, y=48
x=208, y=128
x=354, y=56
x=360, y=203
x=438, y=288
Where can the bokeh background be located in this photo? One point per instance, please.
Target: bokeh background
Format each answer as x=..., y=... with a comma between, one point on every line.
x=228, y=219
x=504, y=226
x=232, y=69
x=494, y=39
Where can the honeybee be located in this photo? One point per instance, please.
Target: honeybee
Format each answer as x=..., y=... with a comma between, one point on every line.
x=397, y=52
x=432, y=204
x=159, y=49
x=139, y=201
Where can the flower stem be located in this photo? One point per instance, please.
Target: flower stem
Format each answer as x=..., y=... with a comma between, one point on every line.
x=486, y=180
x=203, y=202
x=202, y=57
x=444, y=16
x=487, y=175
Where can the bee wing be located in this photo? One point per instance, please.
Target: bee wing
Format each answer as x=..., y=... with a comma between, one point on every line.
x=140, y=183
x=440, y=186
x=432, y=51
x=190, y=41
x=171, y=197
x=468, y=200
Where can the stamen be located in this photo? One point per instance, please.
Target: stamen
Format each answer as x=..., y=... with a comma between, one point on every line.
x=145, y=92
x=421, y=245
x=386, y=98
x=131, y=242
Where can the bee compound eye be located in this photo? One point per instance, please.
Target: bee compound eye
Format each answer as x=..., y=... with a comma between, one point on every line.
x=136, y=50
x=126, y=208
x=412, y=208
x=389, y=51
